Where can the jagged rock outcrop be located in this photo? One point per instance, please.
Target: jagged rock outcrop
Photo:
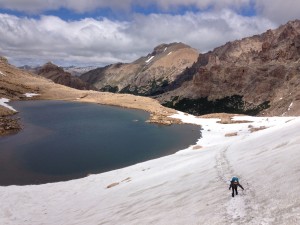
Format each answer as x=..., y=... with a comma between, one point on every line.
x=255, y=75
x=146, y=76
x=59, y=76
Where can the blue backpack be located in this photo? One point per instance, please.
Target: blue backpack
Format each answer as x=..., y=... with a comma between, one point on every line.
x=235, y=179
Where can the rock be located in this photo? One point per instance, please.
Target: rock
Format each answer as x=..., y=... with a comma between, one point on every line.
x=9, y=125
x=3, y=59
x=59, y=76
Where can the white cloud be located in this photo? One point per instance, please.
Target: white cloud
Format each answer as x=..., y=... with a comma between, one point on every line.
x=37, y=6
x=102, y=41
x=203, y=4
x=277, y=10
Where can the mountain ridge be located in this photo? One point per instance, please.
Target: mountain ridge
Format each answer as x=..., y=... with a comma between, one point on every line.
x=255, y=75
x=146, y=75
x=260, y=72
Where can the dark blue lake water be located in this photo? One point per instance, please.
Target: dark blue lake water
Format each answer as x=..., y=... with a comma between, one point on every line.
x=65, y=140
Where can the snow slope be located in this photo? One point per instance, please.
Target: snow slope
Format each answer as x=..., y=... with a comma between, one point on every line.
x=189, y=187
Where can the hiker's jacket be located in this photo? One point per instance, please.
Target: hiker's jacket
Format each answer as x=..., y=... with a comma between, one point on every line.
x=234, y=185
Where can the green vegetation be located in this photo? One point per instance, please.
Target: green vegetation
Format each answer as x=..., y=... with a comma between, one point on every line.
x=230, y=104
x=155, y=87
x=109, y=88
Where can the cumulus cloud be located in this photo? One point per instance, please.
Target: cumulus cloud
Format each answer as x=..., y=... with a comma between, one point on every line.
x=103, y=41
x=38, y=6
x=278, y=11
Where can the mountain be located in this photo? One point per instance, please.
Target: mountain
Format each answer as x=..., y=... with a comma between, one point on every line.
x=77, y=71
x=59, y=76
x=147, y=75
x=257, y=75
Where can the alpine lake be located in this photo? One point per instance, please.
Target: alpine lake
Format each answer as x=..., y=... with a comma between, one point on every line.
x=62, y=141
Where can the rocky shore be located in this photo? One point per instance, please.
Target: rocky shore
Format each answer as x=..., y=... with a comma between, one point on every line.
x=8, y=124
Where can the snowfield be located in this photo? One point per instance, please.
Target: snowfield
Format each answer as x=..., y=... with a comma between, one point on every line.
x=186, y=188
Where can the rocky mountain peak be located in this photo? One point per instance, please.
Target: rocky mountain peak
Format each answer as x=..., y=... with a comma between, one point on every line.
x=58, y=75
x=50, y=67
x=163, y=47
x=146, y=75
x=3, y=59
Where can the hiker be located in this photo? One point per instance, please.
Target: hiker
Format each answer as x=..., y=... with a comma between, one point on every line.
x=234, y=183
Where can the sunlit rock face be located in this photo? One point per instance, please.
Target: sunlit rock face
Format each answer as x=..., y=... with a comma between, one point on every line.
x=59, y=76
x=258, y=74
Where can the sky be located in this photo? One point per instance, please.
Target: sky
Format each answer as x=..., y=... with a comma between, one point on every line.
x=102, y=32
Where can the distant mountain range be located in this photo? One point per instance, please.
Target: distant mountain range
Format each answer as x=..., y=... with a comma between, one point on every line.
x=60, y=76
x=73, y=70
x=77, y=71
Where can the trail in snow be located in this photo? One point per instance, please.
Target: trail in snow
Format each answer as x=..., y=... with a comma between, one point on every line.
x=240, y=209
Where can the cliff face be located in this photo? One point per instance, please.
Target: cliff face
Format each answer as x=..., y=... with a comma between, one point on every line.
x=259, y=74
x=59, y=76
x=146, y=76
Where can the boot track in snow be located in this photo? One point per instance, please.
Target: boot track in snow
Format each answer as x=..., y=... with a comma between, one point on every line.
x=241, y=209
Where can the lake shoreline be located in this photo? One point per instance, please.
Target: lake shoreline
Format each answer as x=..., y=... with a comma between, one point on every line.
x=158, y=113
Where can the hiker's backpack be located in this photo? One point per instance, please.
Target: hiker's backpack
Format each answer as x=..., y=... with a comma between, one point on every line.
x=234, y=179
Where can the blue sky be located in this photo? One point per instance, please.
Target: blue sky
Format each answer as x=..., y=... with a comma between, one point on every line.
x=100, y=32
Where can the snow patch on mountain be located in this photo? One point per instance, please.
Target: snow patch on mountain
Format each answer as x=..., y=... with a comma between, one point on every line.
x=148, y=60
x=30, y=95
x=3, y=102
